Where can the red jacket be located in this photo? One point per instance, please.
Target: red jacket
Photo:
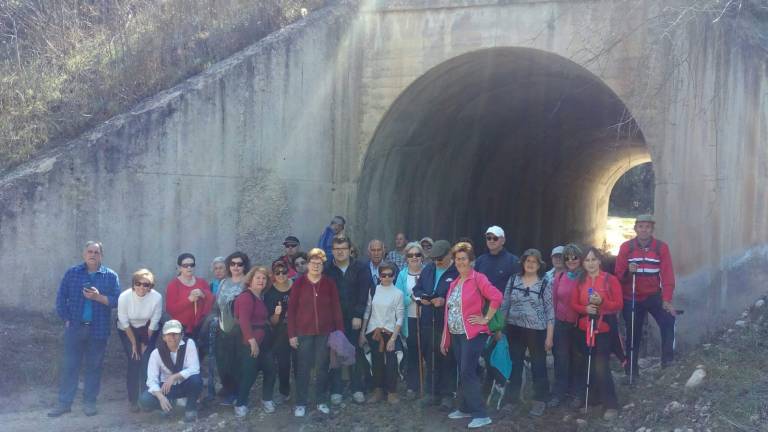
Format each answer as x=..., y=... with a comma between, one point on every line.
x=654, y=273
x=251, y=314
x=314, y=309
x=179, y=307
x=474, y=293
x=607, y=286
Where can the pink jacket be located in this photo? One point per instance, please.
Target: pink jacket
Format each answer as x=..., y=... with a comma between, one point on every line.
x=562, y=287
x=476, y=289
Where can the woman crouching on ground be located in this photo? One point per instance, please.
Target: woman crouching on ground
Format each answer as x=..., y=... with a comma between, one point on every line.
x=466, y=328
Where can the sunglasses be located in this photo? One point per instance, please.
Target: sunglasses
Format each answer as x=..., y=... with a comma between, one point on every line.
x=290, y=245
x=237, y=264
x=440, y=258
x=386, y=275
x=188, y=265
x=491, y=238
x=571, y=258
x=414, y=255
x=281, y=272
x=143, y=284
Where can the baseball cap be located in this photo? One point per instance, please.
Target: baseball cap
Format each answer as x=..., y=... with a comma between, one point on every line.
x=495, y=230
x=558, y=250
x=645, y=218
x=291, y=240
x=172, y=326
x=440, y=249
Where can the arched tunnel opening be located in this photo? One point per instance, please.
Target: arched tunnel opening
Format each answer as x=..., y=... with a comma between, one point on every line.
x=515, y=137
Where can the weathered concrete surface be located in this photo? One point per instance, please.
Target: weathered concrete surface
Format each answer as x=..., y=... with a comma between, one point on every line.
x=236, y=158
x=435, y=116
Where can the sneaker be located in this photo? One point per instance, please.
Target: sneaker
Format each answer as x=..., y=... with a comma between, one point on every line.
x=358, y=397
x=576, y=403
x=336, y=399
x=376, y=396
x=428, y=400
x=190, y=416
x=458, y=414
x=554, y=402
x=135, y=408
x=280, y=398
x=90, y=410
x=479, y=422
x=323, y=408
x=59, y=411
x=269, y=406
x=182, y=402
x=393, y=399
x=228, y=400
x=610, y=414
x=241, y=411
x=446, y=403
x=537, y=408
x=299, y=411
x=411, y=395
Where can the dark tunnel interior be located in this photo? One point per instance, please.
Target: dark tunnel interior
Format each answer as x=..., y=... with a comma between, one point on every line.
x=515, y=137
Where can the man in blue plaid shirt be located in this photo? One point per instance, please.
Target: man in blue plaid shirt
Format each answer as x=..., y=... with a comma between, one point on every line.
x=86, y=297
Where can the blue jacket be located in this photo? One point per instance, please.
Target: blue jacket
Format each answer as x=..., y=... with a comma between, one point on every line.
x=498, y=268
x=426, y=286
x=402, y=284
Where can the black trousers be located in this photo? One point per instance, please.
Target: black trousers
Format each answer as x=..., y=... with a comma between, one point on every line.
x=601, y=379
x=384, y=365
x=563, y=351
x=440, y=372
x=137, y=369
x=520, y=339
x=664, y=319
x=284, y=356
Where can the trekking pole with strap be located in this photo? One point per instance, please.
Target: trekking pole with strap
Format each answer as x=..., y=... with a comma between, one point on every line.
x=434, y=366
x=418, y=350
x=590, y=345
x=632, y=332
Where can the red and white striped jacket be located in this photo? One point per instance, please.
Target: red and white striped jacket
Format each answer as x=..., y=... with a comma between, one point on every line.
x=654, y=273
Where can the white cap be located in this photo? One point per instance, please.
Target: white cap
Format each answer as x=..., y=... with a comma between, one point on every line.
x=172, y=326
x=495, y=230
x=558, y=250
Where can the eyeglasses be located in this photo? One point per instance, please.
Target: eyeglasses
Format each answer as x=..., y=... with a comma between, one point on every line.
x=491, y=238
x=281, y=272
x=188, y=265
x=237, y=264
x=426, y=246
x=142, y=284
x=571, y=258
x=386, y=275
x=414, y=255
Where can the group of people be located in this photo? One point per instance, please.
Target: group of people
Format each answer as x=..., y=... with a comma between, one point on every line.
x=427, y=311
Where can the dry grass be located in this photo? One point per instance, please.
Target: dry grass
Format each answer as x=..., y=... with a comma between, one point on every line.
x=66, y=65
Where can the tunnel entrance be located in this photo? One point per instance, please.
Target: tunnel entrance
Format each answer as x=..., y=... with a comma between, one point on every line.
x=517, y=137
x=632, y=195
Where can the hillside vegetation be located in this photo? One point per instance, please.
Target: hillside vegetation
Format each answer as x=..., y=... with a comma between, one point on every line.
x=66, y=65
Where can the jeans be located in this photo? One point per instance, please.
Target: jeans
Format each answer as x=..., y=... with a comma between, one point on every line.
x=519, y=339
x=563, y=353
x=137, y=369
x=384, y=364
x=213, y=328
x=226, y=359
x=412, y=358
x=312, y=353
x=249, y=370
x=359, y=373
x=467, y=353
x=601, y=379
x=81, y=347
x=190, y=388
x=284, y=356
x=664, y=320
x=440, y=370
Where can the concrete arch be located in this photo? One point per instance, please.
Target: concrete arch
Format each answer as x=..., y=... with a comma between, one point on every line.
x=518, y=137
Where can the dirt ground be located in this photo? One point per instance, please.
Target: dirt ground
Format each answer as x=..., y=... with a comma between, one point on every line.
x=734, y=396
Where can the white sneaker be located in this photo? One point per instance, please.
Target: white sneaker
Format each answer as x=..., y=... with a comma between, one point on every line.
x=458, y=414
x=359, y=397
x=336, y=399
x=241, y=411
x=299, y=411
x=479, y=422
x=182, y=402
x=323, y=408
x=269, y=406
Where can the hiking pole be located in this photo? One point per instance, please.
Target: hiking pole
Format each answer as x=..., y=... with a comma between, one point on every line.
x=590, y=345
x=632, y=337
x=434, y=366
x=418, y=350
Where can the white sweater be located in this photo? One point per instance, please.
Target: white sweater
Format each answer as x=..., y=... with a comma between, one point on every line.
x=386, y=309
x=136, y=311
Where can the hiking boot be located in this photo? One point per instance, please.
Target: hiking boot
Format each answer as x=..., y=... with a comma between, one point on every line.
x=336, y=399
x=610, y=414
x=269, y=406
x=576, y=403
x=89, y=409
x=358, y=397
x=446, y=403
x=135, y=408
x=479, y=422
x=299, y=411
x=537, y=408
x=241, y=411
x=554, y=402
x=59, y=411
x=228, y=400
x=458, y=414
x=393, y=399
x=376, y=396
x=190, y=416
x=411, y=395
x=323, y=408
